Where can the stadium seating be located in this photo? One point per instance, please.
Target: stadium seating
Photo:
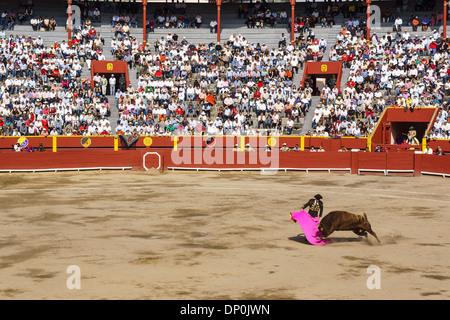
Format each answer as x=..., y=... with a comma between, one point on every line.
x=112, y=114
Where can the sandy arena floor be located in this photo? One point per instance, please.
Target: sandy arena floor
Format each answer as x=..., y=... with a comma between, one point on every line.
x=187, y=235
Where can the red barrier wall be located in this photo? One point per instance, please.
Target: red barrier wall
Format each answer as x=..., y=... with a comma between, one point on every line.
x=70, y=159
x=193, y=152
x=64, y=142
x=6, y=143
x=214, y=158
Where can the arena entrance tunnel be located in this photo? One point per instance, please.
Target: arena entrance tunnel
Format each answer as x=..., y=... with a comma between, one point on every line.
x=109, y=68
x=320, y=80
x=318, y=74
x=396, y=124
x=401, y=130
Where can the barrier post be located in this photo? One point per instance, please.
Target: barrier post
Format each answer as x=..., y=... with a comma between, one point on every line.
x=444, y=33
x=417, y=165
x=368, y=2
x=292, y=20
x=116, y=143
x=302, y=143
x=144, y=22
x=69, y=24
x=424, y=144
x=369, y=143
x=242, y=143
x=175, y=143
x=354, y=162
x=54, y=144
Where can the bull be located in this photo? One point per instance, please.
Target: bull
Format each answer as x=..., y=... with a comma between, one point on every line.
x=346, y=221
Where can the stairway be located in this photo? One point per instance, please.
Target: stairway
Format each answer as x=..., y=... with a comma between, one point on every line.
x=114, y=117
x=307, y=124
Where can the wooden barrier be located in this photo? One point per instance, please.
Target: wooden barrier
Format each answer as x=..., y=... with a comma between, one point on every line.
x=192, y=152
x=77, y=142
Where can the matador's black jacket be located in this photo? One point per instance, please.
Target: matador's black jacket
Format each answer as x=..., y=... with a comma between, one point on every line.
x=315, y=207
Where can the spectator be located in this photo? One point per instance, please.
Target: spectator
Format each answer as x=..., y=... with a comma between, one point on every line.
x=285, y=148
x=213, y=26
x=425, y=23
x=398, y=24
x=428, y=150
x=112, y=85
x=439, y=151
x=17, y=147
x=34, y=23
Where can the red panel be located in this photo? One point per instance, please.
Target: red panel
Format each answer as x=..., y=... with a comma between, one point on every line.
x=290, y=141
x=371, y=160
x=70, y=159
x=95, y=142
x=156, y=141
x=419, y=115
x=306, y=159
x=7, y=142
x=400, y=161
x=434, y=163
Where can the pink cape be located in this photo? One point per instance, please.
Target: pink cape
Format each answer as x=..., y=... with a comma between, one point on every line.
x=309, y=225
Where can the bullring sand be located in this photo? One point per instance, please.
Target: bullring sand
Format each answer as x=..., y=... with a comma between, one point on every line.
x=218, y=235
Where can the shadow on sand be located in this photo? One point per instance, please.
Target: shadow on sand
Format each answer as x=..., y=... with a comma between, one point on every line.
x=301, y=238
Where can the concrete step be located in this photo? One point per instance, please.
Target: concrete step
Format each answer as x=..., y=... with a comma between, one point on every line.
x=309, y=116
x=114, y=117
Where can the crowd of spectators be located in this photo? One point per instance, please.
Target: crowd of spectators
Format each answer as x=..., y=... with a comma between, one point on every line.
x=42, y=92
x=441, y=126
x=395, y=69
x=247, y=86
x=167, y=16
x=236, y=87
x=9, y=19
x=262, y=14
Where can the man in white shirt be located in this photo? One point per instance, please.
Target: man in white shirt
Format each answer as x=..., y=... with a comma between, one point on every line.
x=213, y=26
x=34, y=23
x=322, y=44
x=290, y=126
x=398, y=24
x=112, y=84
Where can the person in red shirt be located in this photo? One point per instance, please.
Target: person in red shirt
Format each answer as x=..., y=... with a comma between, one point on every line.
x=29, y=147
x=56, y=74
x=433, y=47
x=345, y=60
x=151, y=26
x=44, y=124
x=369, y=112
x=179, y=111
